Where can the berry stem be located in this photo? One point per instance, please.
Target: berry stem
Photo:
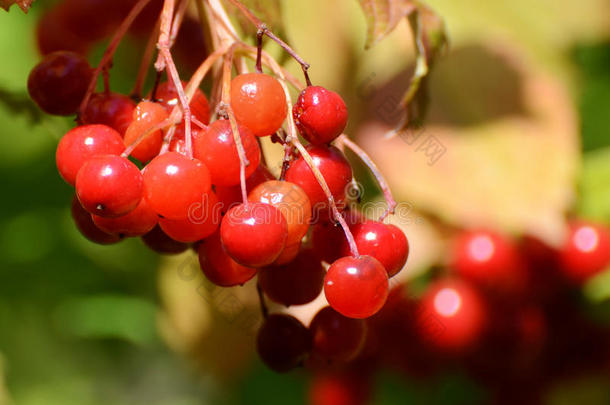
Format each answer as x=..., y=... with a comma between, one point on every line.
x=111, y=49
x=263, y=30
x=165, y=61
x=343, y=140
x=225, y=105
x=259, y=50
x=177, y=23
x=261, y=300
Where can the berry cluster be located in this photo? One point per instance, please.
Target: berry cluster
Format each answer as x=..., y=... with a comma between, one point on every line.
x=504, y=311
x=171, y=170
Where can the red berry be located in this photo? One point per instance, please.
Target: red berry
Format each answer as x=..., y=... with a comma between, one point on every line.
x=231, y=196
x=336, y=337
x=259, y=102
x=59, y=82
x=386, y=243
x=292, y=202
x=296, y=283
x=138, y=222
x=356, y=287
x=451, y=316
x=200, y=224
x=216, y=148
x=145, y=117
x=586, y=251
x=283, y=343
x=109, y=186
x=217, y=265
x=87, y=228
x=112, y=109
x=320, y=115
x=175, y=184
x=82, y=143
x=489, y=260
x=167, y=96
x=335, y=169
x=289, y=253
x=253, y=234
x=158, y=241
x=91, y=20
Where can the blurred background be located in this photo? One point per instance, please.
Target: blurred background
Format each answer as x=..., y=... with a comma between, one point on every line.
x=519, y=114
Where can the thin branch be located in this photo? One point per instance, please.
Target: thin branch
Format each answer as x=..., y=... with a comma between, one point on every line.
x=383, y=184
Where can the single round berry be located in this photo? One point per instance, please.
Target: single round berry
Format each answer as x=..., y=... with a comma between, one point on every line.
x=167, y=95
x=138, y=222
x=59, y=82
x=335, y=169
x=112, y=109
x=146, y=116
x=296, y=283
x=178, y=142
x=283, y=343
x=489, y=260
x=82, y=143
x=356, y=287
x=217, y=149
x=159, y=242
x=292, y=202
x=254, y=234
x=175, y=184
x=201, y=222
x=217, y=265
x=109, y=186
x=336, y=337
x=91, y=20
x=586, y=251
x=259, y=102
x=320, y=115
x=231, y=196
x=386, y=243
x=451, y=316
x=87, y=228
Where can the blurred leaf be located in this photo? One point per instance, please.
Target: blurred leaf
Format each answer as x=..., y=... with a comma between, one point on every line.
x=268, y=11
x=108, y=316
x=23, y=4
x=594, y=201
x=598, y=288
x=383, y=16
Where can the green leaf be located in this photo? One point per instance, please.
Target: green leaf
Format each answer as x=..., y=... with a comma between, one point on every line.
x=382, y=16
x=594, y=202
x=268, y=11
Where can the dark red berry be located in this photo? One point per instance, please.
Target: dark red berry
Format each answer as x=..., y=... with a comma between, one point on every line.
x=296, y=283
x=158, y=241
x=336, y=337
x=59, y=82
x=217, y=265
x=84, y=223
x=320, y=115
x=283, y=343
x=112, y=109
x=52, y=35
x=254, y=234
x=109, y=186
x=356, y=287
